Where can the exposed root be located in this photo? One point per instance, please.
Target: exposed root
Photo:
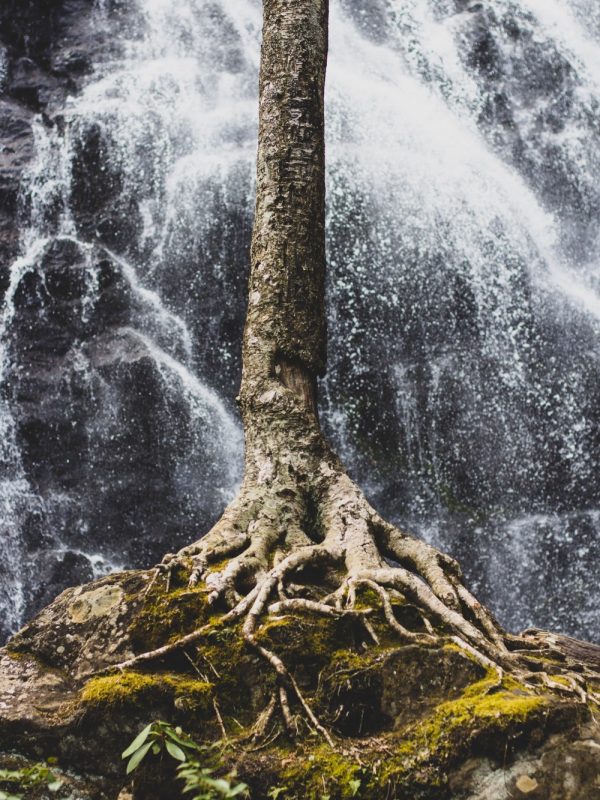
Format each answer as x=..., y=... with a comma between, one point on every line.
x=479, y=657
x=299, y=604
x=309, y=713
x=220, y=720
x=272, y=566
x=388, y=611
x=156, y=572
x=286, y=712
x=259, y=731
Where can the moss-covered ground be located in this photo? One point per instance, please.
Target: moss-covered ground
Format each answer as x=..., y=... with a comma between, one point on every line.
x=402, y=716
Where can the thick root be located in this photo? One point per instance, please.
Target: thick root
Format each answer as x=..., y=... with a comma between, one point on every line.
x=356, y=548
x=274, y=566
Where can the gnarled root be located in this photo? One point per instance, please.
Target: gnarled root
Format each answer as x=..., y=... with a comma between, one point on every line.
x=356, y=548
x=263, y=558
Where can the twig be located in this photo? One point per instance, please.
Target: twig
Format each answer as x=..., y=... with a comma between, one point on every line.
x=220, y=718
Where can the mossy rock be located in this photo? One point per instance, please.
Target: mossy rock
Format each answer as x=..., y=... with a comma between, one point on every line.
x=410, y=722
x=383, y=688
x=148, y=690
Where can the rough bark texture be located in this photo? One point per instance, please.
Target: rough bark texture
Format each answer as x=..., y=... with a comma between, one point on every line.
x=286, y=315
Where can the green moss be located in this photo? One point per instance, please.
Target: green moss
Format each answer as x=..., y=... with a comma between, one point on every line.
x=346, y=665
x=138, y=689
x=306, y=639
x=564, y=681
x=217, y=566
x=351, y=660
x=242, y=683
x=367, y=598
x=322, y=772
x=165, y=616
x=487, y=685
x=484, y=710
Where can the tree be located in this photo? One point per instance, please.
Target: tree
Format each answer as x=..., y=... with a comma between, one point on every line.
x=300, y=532
x=299, y=538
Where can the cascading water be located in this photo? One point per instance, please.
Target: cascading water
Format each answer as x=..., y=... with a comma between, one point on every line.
x=128, y=452
x=463, y=221
x=469, y=214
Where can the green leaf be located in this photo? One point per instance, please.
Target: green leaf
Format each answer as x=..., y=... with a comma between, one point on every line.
x=181, y=739
x=138, y=741
x=355, y=786
x=54, y=786
x=220, y=785
x=137, y=757
x=14, y=774
x=175, y=751
x=193, y=768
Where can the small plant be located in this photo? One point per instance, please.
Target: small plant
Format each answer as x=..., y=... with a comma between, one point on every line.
x=27, y=778
x=199, y=782
x=160, y=737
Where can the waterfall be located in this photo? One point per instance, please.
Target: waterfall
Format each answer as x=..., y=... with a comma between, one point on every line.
x=464, y=303
x=99, y=358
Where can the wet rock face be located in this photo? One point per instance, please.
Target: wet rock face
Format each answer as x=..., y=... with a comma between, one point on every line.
x=48, y=49
x=519, y=69
x=16, y=152
x=109, y=439
x=92, y=413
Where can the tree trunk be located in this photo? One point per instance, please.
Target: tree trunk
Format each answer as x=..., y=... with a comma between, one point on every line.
x=285, y=326
x=297, y=507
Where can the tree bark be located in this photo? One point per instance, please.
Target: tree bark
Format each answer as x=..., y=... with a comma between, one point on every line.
x=284, y=346
x=286, y=322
